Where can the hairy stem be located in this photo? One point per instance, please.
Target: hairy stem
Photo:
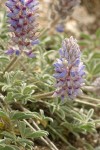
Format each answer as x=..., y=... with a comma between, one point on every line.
x=90, y=88
x=49, y=144
x=45, y=137
x=43, y=95
x=89, y=98
x=86, y=103
x=13, y=61
x=61, y=137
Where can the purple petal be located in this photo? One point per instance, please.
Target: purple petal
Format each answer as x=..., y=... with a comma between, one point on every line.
x=30, y=54
x=9, y=52
x=17, y=52
x=35, y=42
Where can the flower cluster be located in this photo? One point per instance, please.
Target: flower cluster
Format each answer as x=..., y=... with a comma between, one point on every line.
x=23, y=26
x=61, y=9
x=64, y=7
x=69, y=70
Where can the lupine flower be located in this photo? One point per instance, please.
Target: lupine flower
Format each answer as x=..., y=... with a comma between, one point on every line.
x=61, y=9
x=22, y=17
x=65, y=7
x=69, y=70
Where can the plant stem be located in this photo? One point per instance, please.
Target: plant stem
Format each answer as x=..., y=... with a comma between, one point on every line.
x=86, y=103
x=52, y=147
x=45, y=137
x=90, y=88
x=61, y=137
x=10, y=64
x=43, y=95
x=89, y=98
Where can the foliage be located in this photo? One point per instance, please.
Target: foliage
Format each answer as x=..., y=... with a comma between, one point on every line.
x=28, y=110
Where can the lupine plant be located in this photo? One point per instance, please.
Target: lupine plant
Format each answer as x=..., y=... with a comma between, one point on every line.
x=49, y=90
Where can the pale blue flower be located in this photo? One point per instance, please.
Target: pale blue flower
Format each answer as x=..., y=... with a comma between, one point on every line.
x=69, y=70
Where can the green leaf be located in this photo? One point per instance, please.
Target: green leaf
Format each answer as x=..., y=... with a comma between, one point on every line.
x=37, y=134
x=86, y=36
x=22, y=115
x=2, y=114
x=48, y=53
x=78, y=116
x=90, y=114
x=9, y=96
x=96, y=55
x=6, y=87
x=28, y=90
x=87, y=127
x=7, y=148
x=9, y=135
x=22, y=127
x=62, y=113
x=4, y=59
x=96, y=69
x=25, y=141
x=83, y=43
x=98, y=33
x=27, y=132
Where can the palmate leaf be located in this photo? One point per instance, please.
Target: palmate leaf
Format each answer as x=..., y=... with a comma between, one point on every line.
x=24, y=115
x=90, y=114
x=24, y=142
x=22, y=128
x=96, y=69
x=88, y=127
x=96, y=55
x=28, y=133
x=4, y=121
x=4, y=59
x=8, y=147
x=2, y=114
x=37, y=134
x=9, y=135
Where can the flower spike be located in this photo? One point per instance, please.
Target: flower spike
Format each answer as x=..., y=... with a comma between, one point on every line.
x=69, y=70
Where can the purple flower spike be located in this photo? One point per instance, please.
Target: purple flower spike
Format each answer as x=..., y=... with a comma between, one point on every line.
x=69, y=70
x=22, y=19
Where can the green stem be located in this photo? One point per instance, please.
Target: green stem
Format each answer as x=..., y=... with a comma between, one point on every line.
x=51, y=146
x=61, y=137
x=43, y=95
x=10, y=64
x=86, y=103
x=89, y=98
x=90, y=88
x=47, y=139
